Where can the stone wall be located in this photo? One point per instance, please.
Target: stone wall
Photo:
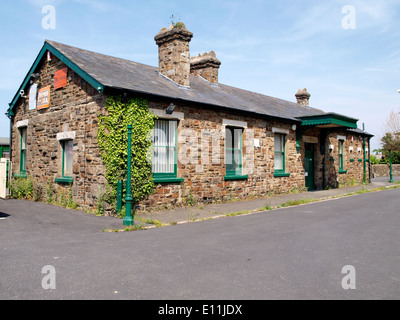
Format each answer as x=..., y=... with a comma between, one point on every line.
x=353, y=156
x=383, y=170
x=204, y=168
x=73, y=108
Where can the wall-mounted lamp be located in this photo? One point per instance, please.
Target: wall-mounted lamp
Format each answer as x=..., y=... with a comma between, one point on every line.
x=331, y=147
x=351, y=149
x=22, y=94
x=170, y=109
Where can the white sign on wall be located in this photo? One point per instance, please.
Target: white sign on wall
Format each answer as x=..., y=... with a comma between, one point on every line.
x=32, y=96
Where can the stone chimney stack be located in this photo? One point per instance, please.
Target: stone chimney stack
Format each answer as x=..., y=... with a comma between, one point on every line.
x=206, y=66
x=173, y=53
x=303, y=97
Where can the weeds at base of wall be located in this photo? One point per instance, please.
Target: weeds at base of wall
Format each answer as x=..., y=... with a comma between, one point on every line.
x=24, y=188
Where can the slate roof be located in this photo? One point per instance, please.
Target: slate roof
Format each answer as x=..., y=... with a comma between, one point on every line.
x=123, y=74
x=107, y=72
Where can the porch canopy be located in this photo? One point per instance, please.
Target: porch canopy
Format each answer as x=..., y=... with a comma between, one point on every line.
x=328, y=120
x=324, y=121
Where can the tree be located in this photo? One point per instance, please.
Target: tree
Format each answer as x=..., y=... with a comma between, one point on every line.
x=391, y=142
x=391, y=139
x=392, y=124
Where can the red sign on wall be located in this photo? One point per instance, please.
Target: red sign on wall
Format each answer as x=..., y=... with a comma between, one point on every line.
x=60, y=78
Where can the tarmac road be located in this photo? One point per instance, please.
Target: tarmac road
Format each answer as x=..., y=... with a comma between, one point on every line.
x=291, y=253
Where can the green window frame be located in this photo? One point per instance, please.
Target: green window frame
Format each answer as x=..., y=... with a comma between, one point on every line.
x=280, y=155
x=234, y=154
x=66, y=162
x=22, y=152
x=341, y=157
x=165, y=151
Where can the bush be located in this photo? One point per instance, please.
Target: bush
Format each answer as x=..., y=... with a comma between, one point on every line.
x=374, y=160
x=22, y=188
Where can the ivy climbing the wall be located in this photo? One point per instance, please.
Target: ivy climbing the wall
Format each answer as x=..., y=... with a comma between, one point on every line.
x=113, y=143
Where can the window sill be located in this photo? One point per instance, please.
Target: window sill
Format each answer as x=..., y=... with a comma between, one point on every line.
x=64, y=180
x=342, y=171
x=20, y=175
x=167, y=180
x=236, y=177
x=281, y=174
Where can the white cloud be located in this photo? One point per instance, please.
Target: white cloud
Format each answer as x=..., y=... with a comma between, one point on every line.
x=42, y=3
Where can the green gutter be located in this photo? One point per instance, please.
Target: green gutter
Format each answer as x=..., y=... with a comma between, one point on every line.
x=70, y=64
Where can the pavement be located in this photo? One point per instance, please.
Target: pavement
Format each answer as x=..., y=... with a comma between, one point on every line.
x=51, y=215
x=212, y=211
x=300, y=252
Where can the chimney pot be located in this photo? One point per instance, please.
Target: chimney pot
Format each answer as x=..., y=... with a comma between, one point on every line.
x=303, y=97
x=206, y=66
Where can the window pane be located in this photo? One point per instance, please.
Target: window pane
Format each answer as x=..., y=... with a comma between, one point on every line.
x=23, y=150
x=68, y=157
x=279, y=161
x=229, y=160
x=228, y=138
x=237, y=138
x=237, y=161
x=23, y=161
x=279, y=142
x=164, y=143
x=23, y=138
x=233, y=150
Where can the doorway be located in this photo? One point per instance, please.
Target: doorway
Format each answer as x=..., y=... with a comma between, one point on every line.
x=309, y=166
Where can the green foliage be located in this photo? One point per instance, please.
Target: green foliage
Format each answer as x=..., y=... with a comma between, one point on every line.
x=391, y=142
x=22, y=188
x=374, y=160
x=100, y=205
x=113, y=143
x=49, y=192
x=70, y=203
x=177, y=24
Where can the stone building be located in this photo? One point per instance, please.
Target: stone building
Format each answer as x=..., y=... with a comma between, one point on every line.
x=219, y=141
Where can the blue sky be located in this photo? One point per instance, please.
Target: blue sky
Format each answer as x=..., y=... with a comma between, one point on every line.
x=270, y=47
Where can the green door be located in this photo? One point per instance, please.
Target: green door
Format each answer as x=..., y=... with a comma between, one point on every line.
x=309, y=166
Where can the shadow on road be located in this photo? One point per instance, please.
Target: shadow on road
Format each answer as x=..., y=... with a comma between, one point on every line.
x=4, y=215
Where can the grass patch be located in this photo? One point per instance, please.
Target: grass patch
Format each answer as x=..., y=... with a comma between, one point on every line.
x=297, y=202
x=238, y=213
x=131, y=228
x=150, y=221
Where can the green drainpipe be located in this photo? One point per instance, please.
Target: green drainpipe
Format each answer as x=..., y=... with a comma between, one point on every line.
x=128, y=220
x=390, y=161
